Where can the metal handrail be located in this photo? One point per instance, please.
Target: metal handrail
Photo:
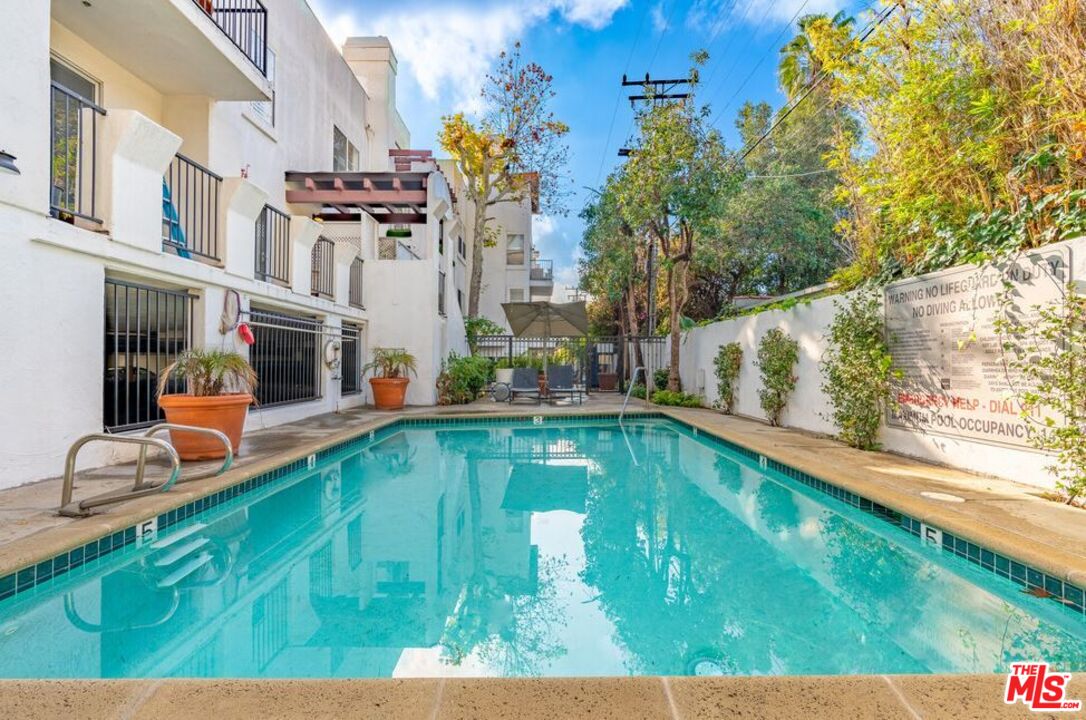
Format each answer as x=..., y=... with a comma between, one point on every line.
x=83, y=507
x=154, y=430
x=633, y=381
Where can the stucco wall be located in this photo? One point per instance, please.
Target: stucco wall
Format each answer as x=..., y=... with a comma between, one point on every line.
x=809, y=409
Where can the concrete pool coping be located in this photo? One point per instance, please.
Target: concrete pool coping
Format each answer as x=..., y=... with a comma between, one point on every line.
x=886, y=697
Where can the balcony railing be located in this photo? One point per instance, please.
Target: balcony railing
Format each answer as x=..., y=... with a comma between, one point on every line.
x=542, y=270
x=190, y=210
x=273, y=247
x=441, y=293
x=355, y=295
x=245, y=22
x=73, y=136
x=323, y=284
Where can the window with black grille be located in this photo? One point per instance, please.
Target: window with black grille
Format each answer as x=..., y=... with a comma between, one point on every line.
x=146, y=329
x=286, y=357
x=351, y=367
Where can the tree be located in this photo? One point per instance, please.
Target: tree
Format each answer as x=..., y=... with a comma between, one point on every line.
x=800, y=66
x=674, y=186
x=515, y=151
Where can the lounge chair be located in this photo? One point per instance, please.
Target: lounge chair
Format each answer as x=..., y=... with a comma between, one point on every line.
x=560, y=380
x=525, y=384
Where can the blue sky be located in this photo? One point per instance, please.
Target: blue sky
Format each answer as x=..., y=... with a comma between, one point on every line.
x=445, y=47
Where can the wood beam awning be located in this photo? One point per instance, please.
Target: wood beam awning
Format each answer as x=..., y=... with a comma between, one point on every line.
x=393, y=198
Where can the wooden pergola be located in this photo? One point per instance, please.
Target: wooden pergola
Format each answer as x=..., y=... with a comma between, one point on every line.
x=393, y=198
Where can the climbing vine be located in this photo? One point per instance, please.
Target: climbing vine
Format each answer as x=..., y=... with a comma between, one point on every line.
x=728, y=362
x=777, y=356
x=857, y=369
x=1046, y=349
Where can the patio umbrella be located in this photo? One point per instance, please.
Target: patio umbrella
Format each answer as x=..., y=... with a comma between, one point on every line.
x=547, y=319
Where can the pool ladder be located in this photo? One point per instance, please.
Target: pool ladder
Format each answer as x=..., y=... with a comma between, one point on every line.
x=82, y=508
x=633, y=381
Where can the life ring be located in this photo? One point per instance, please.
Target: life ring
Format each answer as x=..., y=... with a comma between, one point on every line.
x=333, y=354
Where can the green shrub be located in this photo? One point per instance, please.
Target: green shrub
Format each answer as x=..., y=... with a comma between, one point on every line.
x=462, y=379
x=728, y=362
x=638, y=391
x=677, y=399
x=660, y=378
x=474, y=327
x=856, y=370
x=777, y=356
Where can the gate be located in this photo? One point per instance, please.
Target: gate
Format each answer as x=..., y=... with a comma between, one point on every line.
x=602, y=363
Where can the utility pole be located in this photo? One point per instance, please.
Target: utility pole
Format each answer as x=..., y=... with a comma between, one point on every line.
x=657, y=92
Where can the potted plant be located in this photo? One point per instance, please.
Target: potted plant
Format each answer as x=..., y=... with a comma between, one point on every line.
x=220, y=390
x=390, y=367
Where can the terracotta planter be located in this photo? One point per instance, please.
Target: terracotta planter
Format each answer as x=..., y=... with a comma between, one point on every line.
x=225, y=413
x=388, y=393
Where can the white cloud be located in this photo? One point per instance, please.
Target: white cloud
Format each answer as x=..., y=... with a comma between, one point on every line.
x=448, y=49
x=659, y=21
x=714, y=16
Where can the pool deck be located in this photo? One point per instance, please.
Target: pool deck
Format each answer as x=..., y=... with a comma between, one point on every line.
x=881, y=697
x=1004, y=516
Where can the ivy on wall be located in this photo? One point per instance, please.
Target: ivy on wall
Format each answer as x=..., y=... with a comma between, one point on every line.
x=777, y=356
x=1047, y=349
x=857, y=369
x=728, y=362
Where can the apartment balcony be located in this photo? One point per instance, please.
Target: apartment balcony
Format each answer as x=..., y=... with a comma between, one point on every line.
x=215, y=48
x=542, y=272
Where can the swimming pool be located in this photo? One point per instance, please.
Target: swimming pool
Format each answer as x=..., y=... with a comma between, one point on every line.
x=570, y=548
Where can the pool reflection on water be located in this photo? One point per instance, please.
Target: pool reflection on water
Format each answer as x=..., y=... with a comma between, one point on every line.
x=569, y=549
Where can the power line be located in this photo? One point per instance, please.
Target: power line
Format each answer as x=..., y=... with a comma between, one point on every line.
x=818, y=81
x=775, y=43
x=618, y=95
x=735, y=63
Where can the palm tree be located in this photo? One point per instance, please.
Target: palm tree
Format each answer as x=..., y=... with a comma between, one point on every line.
x=799, y=66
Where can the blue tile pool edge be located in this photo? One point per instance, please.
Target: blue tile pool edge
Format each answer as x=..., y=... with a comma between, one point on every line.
x=26, y=578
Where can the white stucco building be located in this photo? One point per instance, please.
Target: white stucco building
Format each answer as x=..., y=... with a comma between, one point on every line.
x=184, y=165
x=513, y=270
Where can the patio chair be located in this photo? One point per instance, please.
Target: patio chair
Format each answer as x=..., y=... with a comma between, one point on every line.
x=560, y=380
x=525, y=384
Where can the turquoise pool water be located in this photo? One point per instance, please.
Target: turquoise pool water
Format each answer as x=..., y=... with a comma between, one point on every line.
x=565, y=549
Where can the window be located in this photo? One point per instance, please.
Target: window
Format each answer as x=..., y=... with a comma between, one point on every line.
x=441, y=293
x=285, y=357
x=73, y=135
x=344, y=153
x=460, y=247
x=146, y=329
x=516, y=295
x=514, y=250
x=265, y=109
x=441, y=236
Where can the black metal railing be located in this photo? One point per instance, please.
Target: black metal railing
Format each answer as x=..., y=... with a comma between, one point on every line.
x=600, y=363
x=542, y=270
x=273, y=246
x=324, y=269
x=190, y=210
x=73, y=142
x=146, y=328
x=440, y=293
x=351, y=367
x=245, y=22
x=285, y=357
x=355, y=295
